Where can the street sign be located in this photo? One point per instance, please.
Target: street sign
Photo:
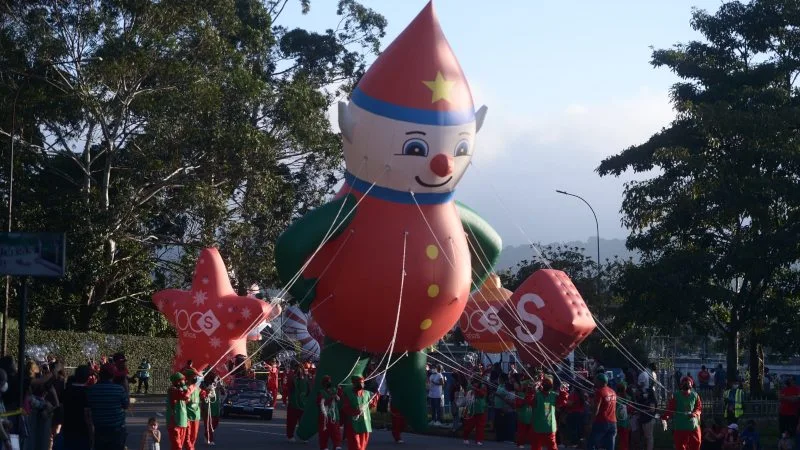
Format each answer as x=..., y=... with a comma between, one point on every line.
x=33, y=254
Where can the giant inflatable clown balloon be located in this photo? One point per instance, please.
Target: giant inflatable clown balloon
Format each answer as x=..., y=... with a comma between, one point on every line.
x=211, y=321
x=397, y=268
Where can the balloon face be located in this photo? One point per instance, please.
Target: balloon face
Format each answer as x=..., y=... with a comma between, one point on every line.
x=406, y=156
x=547, y=317
x=211, y=321
x=480, y=322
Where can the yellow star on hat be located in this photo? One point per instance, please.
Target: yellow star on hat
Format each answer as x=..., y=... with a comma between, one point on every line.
x=440, y=88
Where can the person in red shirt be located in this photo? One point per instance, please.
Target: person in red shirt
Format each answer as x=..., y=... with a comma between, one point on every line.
x=703, y=377
x=787, y=412
x=604, y=416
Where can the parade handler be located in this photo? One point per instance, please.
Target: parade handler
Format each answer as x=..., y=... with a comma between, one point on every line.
x=192, y=408
x=685, y=408
x=177, y=423
x=356, y=406
x=545, y=403
x=328, y=424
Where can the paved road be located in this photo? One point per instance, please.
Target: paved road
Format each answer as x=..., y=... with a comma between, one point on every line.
x=254, y=434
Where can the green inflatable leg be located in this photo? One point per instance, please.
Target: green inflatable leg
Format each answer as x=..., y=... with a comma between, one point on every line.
x=339, y=362
x=407, y=386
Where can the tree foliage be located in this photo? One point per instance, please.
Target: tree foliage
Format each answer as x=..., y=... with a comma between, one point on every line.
x=718, y=222
x=147, y=130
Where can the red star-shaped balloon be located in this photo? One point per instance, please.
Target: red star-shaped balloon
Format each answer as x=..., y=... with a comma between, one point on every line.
x=210, y=319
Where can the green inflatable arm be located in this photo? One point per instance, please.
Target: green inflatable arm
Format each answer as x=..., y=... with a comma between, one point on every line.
x=302, y=238
x=484, y=244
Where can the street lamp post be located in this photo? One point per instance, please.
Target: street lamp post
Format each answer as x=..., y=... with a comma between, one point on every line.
x=597, y=227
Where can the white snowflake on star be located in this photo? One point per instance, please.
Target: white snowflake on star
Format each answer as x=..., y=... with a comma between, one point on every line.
x=215, y=342
x=231, y=325
x=160, y=305
x=246, y=313
x=200, y=297
x=204, y=280
x=178, y=350
x=219, y=305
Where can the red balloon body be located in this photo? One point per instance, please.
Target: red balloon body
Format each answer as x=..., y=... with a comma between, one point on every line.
x=356, y=301
x=547, y=317
x=211, y=321
x=480, y=322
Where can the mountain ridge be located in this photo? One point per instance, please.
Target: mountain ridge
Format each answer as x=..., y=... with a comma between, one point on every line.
x=609, y=248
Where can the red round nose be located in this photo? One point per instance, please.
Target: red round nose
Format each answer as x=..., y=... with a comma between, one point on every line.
x=442, y=165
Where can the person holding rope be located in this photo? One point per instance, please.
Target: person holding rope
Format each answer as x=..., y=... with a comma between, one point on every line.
x=545, y=403
x=604, y=414
x=177, y=421
x=210, y=402
x=328, y=425
x=272, y=380
x=356, y=407
x=475, y=412
x=685, y=407
x=297, y=390
x=524, y=407
x=192, y=408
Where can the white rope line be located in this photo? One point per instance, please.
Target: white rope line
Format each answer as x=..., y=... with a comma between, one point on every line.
x=399, y=304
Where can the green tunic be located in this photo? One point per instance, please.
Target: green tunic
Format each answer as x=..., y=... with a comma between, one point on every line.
x=524, y=413
x=362, y=423
x=329, y=405
x=297, y=397
x=623, y=419
x=176, y=413
x=193, y=406
x=684, y=405
x=477, y=407
x=544, y=412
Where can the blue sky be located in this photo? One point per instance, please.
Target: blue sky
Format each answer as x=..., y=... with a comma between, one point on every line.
x=567, y=83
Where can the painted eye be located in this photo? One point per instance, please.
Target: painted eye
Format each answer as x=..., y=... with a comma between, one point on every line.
x=415, y=147
x=462, y=148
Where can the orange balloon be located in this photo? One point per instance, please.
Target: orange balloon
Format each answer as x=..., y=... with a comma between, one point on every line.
x=480, y=322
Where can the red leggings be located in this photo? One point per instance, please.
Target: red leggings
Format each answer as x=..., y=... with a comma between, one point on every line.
x=177, y=437
x=357, y=441
x=523, y=433
x=546, y=440
x=210, y=427
x=191, y=434
x=328, y=430
x=687, y=440
x=274, y=392
x=293, y=416
x=623, y=438
x=398, y=426
x=478, y=423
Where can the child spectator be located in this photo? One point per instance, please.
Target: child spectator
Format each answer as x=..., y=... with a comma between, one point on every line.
x=732, y=441
x=751, y=440
x=151, y=438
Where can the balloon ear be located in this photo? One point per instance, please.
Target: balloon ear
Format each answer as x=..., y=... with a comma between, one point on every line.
x=480, y=115
x=345, y=121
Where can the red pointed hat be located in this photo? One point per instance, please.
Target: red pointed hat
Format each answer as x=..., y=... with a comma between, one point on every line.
x=417, y=78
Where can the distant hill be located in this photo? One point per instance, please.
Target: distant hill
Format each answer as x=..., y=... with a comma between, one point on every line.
x=608, y=249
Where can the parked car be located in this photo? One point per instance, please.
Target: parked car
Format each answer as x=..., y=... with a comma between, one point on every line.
x=248, y=397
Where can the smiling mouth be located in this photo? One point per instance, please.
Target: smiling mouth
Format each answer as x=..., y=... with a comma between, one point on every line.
x=432, y=185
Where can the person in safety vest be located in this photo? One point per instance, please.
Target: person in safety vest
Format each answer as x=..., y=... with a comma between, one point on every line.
x=357, y=403
x=177, y=422
x=732, y=399
x=545, y=403
x=328, y=424
x=684, y=409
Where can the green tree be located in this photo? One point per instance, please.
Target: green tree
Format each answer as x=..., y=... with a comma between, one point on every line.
x=717, y=223
x=150, y=129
